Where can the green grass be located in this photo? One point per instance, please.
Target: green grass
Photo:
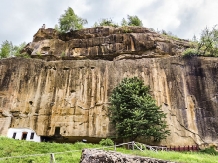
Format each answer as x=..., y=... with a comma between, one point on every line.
x=72, y=152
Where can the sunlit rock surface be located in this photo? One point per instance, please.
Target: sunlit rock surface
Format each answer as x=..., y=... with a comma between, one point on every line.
x=70, y=97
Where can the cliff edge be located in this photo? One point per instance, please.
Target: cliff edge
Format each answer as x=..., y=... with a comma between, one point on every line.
x=103, y=43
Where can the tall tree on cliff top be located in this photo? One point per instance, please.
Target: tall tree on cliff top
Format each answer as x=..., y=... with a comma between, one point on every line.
x=132, y=21
x=70, y=21
x=134, y=112
x=6, y=49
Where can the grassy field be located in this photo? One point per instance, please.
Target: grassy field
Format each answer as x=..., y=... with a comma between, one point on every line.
x=71, y=153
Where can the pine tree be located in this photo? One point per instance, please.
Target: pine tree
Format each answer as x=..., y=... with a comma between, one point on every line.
x=135, y=113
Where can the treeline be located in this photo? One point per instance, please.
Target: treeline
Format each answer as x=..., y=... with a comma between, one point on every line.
x=207, y=45
x=70, y=21
x=7, y=49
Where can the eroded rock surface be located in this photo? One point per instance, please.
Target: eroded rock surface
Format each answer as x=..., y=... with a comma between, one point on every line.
x=103, y=43
x=94, y=156
x=74, y=95
x=69, y=95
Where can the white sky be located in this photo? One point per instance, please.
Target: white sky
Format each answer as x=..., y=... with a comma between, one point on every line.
x=21, y=19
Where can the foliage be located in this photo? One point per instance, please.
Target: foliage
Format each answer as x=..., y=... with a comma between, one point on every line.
x=70, y=21
x=168, y=34
x=124, y=22
x=208, y=44
x=134, y=112
x=17, y=51
x=105, y=22
x=210, y=151
x=106, y=142
x=134, y=21
x=131, y=21
x=9, y=50
x=139, y=145
x=6, y=49
x=126, y=29
x=190, y=52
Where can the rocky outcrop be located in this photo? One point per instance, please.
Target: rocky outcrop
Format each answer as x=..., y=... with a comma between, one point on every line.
x=73, y=95
x=93, y=156
x=103, y=43
x=69, y=98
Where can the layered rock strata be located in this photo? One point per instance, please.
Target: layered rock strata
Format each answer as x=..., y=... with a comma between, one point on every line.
x=73, y=95
x=68, y=96
x=104, y=43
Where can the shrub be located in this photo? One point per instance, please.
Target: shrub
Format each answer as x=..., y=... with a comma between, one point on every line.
x=139, y=145
x=106, y=22
x=106, y=142
x=210, y=151
x=190, y=52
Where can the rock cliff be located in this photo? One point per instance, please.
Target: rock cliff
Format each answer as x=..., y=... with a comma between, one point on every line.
x=103, y=43
x=70, y=93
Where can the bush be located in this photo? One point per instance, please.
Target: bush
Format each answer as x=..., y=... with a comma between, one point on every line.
x=139, y=145
x=106, y=142
x=106, y=22
x=210, y=151
x=190, y=52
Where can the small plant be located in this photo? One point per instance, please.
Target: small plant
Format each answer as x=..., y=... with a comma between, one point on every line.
x=106, y=142
x=190, y=52
x=62, y=54
x=106, y=22
x=210, y=151
x=39, y=54
x=139, y=146
x=126, y=29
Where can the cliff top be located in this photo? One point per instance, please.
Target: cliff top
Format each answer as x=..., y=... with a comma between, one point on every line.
x=103, y=43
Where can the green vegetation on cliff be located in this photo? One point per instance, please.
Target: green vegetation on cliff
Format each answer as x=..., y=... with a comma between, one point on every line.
x=7, y=49
x=207, y=44
x=134, y=112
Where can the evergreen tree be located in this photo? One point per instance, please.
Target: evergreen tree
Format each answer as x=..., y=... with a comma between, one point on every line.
x=134, y=112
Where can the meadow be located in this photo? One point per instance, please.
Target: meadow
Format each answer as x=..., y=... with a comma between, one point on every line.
x=19, y=151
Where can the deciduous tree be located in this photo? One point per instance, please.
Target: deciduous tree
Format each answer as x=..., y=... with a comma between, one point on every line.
x=6, y=49
x=70, y=21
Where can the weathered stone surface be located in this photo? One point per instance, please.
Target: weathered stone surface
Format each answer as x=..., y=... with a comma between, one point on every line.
x=103, y=43
x=94, y=156
x=73, y=95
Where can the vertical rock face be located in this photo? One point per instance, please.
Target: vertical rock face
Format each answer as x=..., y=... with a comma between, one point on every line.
x=70, y=97
x=73, y=95
x=103, y=43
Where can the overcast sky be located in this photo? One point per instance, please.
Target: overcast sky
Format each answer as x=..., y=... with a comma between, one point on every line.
x=20, y=19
